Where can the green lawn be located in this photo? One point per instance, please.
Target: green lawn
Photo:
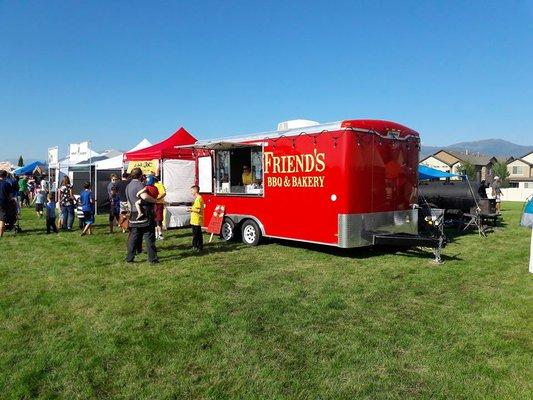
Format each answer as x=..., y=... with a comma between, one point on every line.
x=279, y=321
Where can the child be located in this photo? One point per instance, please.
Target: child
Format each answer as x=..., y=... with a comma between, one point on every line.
x=197, y=219
x=159, y=209
x=51, y=214
x=80, y=214
x=39, y=200
x=114, y=208
x=87, y=205
x=151, y=190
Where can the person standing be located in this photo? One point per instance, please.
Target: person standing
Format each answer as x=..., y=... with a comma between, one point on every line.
x=40, y=200
x=87, y=206
x=140, y=228
x=66, y=203
x=197, y=219
x=482, y=190
x=497, y=192
x=160, y=209
x=124, y=209
x=114, y=208
x=80, y=214
x=51, y=215
x=112, y=184
x=24, y=191
x=7, y=206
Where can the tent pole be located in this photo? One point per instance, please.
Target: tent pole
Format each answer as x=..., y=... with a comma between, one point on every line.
x=95, y=191
x=531, y=254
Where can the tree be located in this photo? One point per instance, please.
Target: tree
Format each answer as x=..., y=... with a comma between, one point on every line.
x=500, y=169
x=21, y=162
x=466, y=168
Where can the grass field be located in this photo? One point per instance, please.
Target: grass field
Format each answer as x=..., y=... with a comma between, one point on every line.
x=279, y=321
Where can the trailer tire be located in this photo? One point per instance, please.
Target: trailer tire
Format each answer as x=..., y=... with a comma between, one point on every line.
x=250, y=232
x=227, y=231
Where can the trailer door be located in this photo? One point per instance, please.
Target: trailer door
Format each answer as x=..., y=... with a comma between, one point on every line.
x=205, y=174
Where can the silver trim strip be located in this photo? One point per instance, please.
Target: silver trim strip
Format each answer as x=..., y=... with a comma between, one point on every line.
x=355, y=230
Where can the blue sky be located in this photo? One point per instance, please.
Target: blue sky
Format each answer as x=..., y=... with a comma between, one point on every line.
x=117, y=71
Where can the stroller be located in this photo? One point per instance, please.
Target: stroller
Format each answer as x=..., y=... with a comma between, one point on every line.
x=12, y=220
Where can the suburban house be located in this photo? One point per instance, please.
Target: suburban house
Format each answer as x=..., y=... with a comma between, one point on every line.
x=450, y=161
x=521, y=171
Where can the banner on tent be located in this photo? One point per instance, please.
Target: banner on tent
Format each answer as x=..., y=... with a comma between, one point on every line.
x=53, y=156
x=147, y=166
x=78, y=152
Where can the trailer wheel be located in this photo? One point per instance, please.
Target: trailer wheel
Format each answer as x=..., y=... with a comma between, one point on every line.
x=227, y=232
x=251, y=234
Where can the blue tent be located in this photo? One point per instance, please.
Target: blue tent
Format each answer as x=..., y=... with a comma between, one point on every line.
x=427, y=173
x=28, y=169
x=527, y=213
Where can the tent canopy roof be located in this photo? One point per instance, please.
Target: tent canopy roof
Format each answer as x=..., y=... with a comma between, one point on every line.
x=426, y=173
x=28, y=169
x=165, y=149
x=117, y=161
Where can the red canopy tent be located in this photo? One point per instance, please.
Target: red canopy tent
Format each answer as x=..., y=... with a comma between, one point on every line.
x=177, y=170
x=165, y=149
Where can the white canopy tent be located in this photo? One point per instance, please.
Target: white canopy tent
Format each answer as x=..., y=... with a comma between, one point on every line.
x=109, y=166
x=117, y=162
x=62, y=168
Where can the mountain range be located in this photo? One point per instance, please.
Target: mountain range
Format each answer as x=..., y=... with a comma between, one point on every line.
x=489, y=147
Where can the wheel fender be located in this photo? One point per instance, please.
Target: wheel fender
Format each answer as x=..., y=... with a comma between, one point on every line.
x=239, y=218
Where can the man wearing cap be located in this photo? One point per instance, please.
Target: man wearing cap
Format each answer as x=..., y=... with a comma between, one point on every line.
x=144, y=228
x=497, y=192
x=247, y=178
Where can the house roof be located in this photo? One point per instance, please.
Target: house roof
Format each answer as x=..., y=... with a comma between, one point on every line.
x=436, y=158
x=473, y=159
x=525, y=155
x=521, y=160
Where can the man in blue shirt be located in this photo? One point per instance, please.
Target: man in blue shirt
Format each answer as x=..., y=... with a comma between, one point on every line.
x=87, y=206
x=6, y=201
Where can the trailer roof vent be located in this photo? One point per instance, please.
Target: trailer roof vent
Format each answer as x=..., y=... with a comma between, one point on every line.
x=295, y=124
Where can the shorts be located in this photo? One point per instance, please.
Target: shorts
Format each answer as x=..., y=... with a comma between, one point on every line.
x=88, y=217
x=113, y=216
x=498, y=198
x=39, y=207
x=3, y=214
x=159, y=211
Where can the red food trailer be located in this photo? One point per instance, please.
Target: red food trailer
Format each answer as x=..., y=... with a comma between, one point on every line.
x=348, y=184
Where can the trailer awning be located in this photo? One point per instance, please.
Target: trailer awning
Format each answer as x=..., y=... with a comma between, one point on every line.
x=220, y=145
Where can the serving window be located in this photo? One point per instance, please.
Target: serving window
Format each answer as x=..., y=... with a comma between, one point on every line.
x=239, y=170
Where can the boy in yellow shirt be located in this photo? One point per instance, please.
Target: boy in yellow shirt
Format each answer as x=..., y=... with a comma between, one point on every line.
x=197, y=219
